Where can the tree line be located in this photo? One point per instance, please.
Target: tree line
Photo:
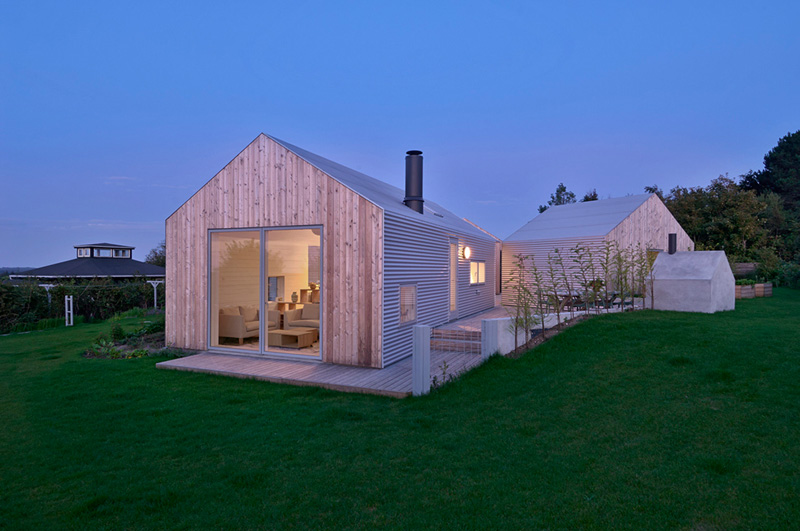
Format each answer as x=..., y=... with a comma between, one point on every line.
x=753, y=219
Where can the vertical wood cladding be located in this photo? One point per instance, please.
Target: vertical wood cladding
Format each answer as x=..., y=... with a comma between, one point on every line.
x=649, y=226
x=268, y=186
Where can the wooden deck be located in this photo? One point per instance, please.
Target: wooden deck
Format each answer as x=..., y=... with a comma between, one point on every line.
x=394, y=380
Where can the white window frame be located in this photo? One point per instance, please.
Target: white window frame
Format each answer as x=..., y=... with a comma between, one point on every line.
x=481, y=267
x=413, y=319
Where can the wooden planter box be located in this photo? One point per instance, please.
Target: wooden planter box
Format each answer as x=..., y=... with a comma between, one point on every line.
x=764, y=290
x=745, y=292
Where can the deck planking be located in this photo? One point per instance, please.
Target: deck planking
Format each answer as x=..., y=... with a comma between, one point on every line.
x=394, y=380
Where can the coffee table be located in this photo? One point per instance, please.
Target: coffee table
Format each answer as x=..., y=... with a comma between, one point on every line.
x=292, y=338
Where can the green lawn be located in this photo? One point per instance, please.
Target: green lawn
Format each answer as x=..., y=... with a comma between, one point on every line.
x=643, y=420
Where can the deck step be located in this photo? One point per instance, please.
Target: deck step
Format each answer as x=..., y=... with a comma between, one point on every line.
x=459, y=335
x=449, y=345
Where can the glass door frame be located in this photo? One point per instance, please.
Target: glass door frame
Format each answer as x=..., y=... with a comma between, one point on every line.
x=262, y=287
x=452, y=279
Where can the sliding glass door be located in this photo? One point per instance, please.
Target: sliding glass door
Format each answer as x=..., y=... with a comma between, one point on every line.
x=265, y=291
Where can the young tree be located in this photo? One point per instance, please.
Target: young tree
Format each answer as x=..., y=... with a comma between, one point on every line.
x=553, y=285
x=521, y=296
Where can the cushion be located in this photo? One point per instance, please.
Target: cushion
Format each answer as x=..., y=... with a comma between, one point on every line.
x=272, y=305
x=250, y=325
x=229, y=310
x=250, y=313
x=311, y=311
x=308, y=323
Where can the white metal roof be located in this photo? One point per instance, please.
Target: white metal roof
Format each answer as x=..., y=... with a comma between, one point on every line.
x=388, y=197
x=592, y=218
x=691, y=265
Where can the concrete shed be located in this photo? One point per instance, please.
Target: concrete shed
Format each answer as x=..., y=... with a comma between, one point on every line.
x=697, y=281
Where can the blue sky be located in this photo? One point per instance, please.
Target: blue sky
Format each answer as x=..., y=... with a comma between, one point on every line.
x=112, y=114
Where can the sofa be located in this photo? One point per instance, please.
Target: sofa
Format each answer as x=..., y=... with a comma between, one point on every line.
x=241, y=322
x=305, y=317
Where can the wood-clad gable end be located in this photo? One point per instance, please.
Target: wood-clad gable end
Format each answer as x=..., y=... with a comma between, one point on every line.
x=650, y=226
x=267, y=185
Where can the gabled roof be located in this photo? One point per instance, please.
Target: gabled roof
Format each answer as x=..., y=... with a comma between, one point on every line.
x=576, y=220
x=388, y=197
x=689, y=265
x=105, y=246
x=96, y=267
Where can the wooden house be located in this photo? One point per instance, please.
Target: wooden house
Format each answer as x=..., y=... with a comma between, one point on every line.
x=636, y=221
x=286, y=253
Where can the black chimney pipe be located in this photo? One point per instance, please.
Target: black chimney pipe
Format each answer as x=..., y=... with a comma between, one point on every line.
x=673, y=243
x=413, y=198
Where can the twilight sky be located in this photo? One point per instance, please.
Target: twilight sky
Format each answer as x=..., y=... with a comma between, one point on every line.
x=112, y=114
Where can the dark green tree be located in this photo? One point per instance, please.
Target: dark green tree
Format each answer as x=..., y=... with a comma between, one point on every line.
x=654, y=190
x=562, y=196
x=158, y=255
x=721, y=216
x=781, y=173
x=590, y=196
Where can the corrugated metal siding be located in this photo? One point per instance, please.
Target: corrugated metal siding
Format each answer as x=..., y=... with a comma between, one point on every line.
x=539, y=249
x=417, y=253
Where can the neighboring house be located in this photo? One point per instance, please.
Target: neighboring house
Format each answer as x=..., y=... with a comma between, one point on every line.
x=636, y=220
x=97, y=260
x=286, y=253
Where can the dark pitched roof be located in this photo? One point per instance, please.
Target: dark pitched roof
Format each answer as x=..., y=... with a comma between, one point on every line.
x=96, y=267
x=105, y=246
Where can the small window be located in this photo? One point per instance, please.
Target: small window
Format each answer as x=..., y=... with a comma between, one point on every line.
x=104, y=253
x=121, y=253
x=477, y=272
x=408, y=304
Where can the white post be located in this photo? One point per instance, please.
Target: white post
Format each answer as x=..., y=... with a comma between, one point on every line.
x=421, y=362
x=490, y=343
x=47, y=288
x=68, y=320
x=155, y=284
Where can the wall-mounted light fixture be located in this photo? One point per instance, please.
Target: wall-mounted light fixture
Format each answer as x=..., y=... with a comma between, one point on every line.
x=467, y=253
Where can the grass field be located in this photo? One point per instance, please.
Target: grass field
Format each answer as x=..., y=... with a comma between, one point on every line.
x=643, y=420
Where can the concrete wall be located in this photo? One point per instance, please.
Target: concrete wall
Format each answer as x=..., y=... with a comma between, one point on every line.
x=698, y=281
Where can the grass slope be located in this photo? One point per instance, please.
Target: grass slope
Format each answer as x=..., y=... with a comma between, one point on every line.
x=644, y=420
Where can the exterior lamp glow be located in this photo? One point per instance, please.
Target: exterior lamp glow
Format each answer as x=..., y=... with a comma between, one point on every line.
x=467, y=253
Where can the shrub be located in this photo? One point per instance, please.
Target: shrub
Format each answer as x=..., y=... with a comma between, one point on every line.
x=104, y=348
x=117, y=333
x=97, y=298
x=788, y=275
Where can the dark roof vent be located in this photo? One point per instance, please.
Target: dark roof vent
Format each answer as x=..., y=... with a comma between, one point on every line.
x=413, y=199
